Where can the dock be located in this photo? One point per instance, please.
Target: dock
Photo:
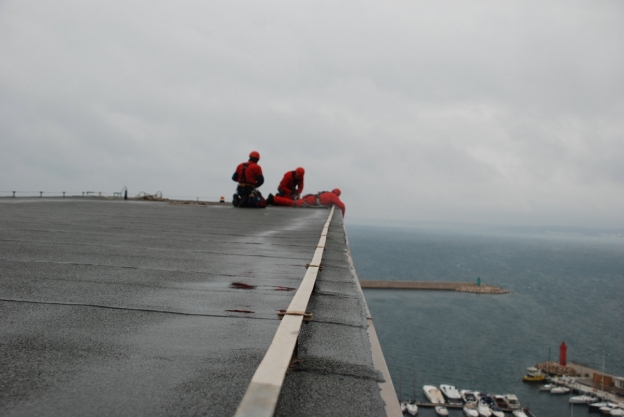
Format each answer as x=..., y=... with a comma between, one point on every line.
x=434, y=286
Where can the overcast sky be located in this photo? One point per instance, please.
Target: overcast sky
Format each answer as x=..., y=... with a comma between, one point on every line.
x=507, y=112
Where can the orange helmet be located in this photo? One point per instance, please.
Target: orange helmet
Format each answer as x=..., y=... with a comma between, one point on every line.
x=336, y=191
x=254, y=155
x=300, y=172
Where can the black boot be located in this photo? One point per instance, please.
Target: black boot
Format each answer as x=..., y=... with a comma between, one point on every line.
x=269, y=200
x=235, y=200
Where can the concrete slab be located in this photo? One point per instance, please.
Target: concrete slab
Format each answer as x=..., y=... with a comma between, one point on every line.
x=128, y=308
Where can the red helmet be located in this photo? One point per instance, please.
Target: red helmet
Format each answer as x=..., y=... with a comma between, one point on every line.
x=300, y=172
x=254, y=155
x=336, y=191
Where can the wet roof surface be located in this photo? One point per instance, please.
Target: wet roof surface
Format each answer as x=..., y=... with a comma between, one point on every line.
x=143, y=308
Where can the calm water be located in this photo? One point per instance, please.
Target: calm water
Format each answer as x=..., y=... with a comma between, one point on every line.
x=563, y=287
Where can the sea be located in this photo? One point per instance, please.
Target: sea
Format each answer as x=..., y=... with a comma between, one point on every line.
x=566, y=285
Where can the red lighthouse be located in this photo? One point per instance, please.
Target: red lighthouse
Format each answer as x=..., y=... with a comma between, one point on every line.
x=563, y=354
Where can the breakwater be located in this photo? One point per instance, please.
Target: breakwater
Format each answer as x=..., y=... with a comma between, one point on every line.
x=434, y=286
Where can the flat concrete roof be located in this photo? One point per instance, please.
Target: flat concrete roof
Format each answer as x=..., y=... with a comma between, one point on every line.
x=130, y=308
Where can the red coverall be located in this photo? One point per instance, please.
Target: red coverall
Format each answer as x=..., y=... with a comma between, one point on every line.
x=253, y=175
x=326, y=199
x=291, y=184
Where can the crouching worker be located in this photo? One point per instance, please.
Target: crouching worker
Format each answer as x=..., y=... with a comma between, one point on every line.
x=249, y=177
x=322, y=199
x=292, y=184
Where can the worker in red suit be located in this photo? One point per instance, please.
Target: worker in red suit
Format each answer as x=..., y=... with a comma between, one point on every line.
x=292, y=184
x=249, y=177
x=322, y=199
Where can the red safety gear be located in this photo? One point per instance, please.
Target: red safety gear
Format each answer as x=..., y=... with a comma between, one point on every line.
x=336, y=191
x=283, y=201
x=325, y=198
x=292, y=183
x=300, y=172
x=249, y=173
x=254, y=155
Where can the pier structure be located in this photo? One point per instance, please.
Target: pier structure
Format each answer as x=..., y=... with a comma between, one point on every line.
x=142, y=308
x=434, y=286
x=585, y=380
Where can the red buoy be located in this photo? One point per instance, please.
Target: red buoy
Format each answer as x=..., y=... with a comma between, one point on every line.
x=563, y=354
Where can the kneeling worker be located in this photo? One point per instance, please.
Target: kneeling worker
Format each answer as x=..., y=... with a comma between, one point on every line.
x=292, y=184
x=249, y=177
x=322, y=199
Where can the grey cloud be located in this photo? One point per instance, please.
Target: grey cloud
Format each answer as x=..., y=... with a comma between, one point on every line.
x=505, y=112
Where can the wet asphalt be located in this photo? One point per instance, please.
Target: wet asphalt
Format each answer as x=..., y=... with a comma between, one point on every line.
x=128, y=308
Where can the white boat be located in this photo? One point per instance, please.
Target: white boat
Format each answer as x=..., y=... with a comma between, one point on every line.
x=403, y=405
x=596, y=406
x=441, y=410
x=483, y=409
x=560, y=390
x=497, y=412
x=583, y=399
x=610, y=407
x=451, y=393
x=412, y=408
x=617, y=412
x=470, y=410
x=488, y=399
x=547, y=387
x=500, y=401
x=512, y=402
x=433, y=394
x=468, y=396
x=519, y=413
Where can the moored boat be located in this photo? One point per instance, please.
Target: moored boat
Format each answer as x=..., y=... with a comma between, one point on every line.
x=547, y=387
x=403, y=406
x=607, y=408
x=486, y=398
x=519, y=413
x=412, y=408
x=468, y=396
x=617, y=412
x=451, y=394
x=433, y=394
x=560, y=390
x=441, y=410
x=583, y=399
x=484, y=409
x=533, y=375
x=500, y=401
x=496, y=411
x=512, y=402
x=596, y=406
x=470, y=410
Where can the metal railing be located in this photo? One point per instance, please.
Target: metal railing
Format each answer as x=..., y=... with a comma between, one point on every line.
x=22, y=193
x=261, y=396
x=101, y=194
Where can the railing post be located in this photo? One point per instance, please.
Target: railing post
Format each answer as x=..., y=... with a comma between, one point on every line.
x=13, y=194
x=126, y=194
x=40, y=193
x=83, y=193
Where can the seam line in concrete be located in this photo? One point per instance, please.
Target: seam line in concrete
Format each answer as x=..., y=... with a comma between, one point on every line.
x=144, y=310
